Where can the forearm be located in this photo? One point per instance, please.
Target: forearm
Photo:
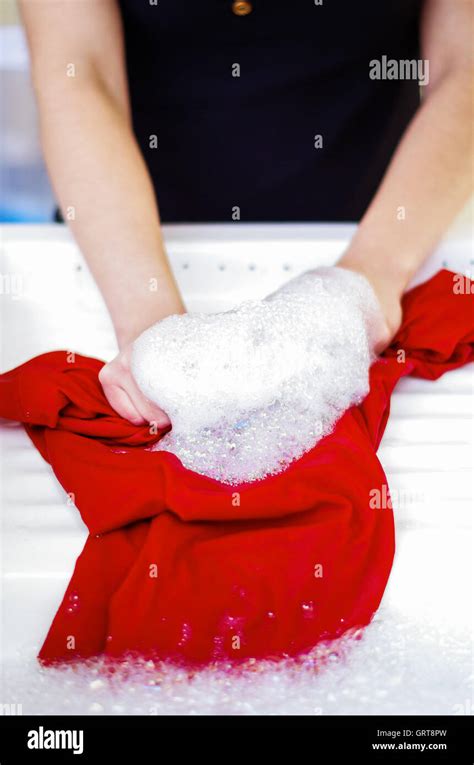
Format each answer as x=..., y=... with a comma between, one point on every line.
x=426, y=184
x=107, y=198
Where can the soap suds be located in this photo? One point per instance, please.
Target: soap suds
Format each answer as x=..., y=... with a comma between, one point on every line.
x=251, y=390
x=394, y=666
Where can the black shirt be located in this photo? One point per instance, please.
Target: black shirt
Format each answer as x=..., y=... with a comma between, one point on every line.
x=250, y=141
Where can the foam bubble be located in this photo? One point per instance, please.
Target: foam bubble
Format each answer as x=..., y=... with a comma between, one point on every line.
x=395, y=666
x=250, y=390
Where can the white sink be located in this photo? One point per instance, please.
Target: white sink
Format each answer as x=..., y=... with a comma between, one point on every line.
x=50, y=301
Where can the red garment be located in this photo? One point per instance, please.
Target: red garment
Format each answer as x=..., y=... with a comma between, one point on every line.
x=238, y=569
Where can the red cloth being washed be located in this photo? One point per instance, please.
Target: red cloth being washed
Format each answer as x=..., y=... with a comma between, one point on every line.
x=177, y=565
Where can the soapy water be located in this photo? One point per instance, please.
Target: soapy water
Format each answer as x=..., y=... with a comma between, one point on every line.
x=414, y=658
x=394, y=666
x=250, y=390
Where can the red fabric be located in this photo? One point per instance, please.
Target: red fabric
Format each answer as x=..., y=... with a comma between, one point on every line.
x=237, y=568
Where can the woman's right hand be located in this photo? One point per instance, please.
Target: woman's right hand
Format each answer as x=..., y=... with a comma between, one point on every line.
x=124, y=395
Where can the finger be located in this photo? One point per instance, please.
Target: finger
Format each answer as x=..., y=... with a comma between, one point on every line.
x=121, y=403
x=149, y=411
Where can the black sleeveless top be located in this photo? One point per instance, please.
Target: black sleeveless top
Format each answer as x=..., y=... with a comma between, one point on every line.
x=214, y=141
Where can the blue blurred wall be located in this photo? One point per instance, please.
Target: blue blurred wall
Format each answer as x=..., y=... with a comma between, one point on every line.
x=25, y=192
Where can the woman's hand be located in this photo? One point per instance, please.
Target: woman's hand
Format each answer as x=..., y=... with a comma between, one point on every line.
x=388, y=288
x=390, y=302
x=125, y=397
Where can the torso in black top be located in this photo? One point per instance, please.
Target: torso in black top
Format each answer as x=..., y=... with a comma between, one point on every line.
x=249, y=141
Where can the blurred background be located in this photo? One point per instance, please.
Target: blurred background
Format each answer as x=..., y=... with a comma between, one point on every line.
x=25, y=192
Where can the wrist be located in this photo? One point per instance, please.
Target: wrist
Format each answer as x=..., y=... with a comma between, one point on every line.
x=141, y=319
x=386, y=274
x=388, y=285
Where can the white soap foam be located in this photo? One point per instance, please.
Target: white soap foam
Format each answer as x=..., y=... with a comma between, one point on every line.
x=250, y=390
x=395, y=666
